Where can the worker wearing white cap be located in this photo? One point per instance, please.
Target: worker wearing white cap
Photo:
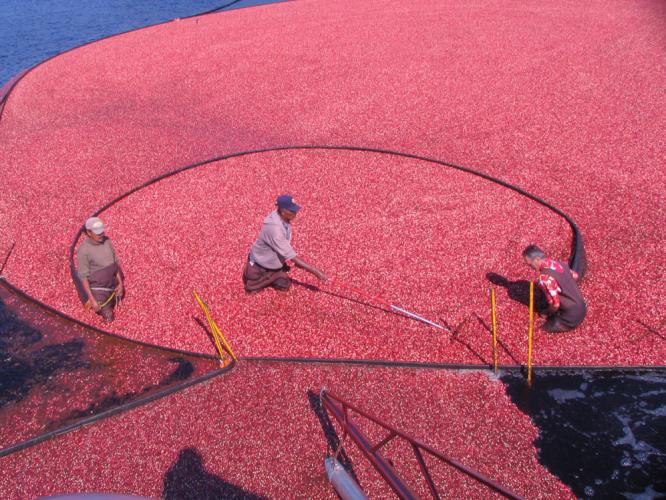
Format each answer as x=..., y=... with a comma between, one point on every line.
x=98, y=270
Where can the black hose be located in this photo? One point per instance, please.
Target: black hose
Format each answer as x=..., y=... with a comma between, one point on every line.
x=4, y=264
x=425, y=365
x=577, y=259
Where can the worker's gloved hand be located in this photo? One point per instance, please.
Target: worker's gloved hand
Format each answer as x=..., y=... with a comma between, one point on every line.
x=95, y=306
x=120, y=290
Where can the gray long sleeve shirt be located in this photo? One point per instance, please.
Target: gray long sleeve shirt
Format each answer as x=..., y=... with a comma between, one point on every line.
x=273, y=245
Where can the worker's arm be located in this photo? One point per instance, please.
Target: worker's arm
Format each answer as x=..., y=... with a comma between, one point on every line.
x=551, y=290
x=91, y=299
x=120, y=287
x=83, y=271
x=298, y=262
x=553, y=308
x=277, y=241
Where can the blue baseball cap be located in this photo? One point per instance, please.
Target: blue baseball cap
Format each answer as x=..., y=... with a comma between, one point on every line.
x=287, y=202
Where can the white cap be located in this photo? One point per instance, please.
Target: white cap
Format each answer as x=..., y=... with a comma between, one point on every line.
x=95, y=225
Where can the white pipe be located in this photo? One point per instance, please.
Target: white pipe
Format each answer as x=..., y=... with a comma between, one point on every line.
x=342, y=481
x=419, y=318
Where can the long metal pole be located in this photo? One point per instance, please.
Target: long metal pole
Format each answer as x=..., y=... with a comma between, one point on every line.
x=329, y=402
x=494, y=328
x=419, y=318
x=381, y=300
x=530, y=329
x=375, y=458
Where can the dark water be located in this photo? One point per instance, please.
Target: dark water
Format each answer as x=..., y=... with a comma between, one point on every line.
x=54, y=373
x=33, y=30
x=602, y=433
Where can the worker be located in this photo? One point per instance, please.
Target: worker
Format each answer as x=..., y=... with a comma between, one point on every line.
x=99, y=271
x=566, y=307
x=268, y=261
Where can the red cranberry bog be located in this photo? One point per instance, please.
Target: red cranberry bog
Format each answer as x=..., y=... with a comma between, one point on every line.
x=428, y=143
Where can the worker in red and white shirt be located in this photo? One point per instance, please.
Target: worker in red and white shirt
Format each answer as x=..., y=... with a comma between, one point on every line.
x=566, y=307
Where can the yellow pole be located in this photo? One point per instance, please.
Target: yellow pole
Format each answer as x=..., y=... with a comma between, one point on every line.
x=494, y=328
x=212, y=329
x=215, y=331
x=224, y=341
x=529, y=335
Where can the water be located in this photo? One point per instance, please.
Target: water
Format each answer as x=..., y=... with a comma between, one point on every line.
x=55, y=373
x=602, y=433
x=34, y=30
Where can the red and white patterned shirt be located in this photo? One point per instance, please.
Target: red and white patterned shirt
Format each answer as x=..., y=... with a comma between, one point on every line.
x=549, y=285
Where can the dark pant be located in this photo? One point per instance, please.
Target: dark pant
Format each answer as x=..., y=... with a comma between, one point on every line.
x=102, y=297
x=257, y=278
x=565, y=321
x=106, y=279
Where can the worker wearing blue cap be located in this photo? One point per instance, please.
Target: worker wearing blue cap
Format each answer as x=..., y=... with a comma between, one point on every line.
x=267, y=264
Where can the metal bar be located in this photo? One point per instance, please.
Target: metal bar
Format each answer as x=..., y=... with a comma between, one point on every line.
x=384, y=441
x=365, y=295
x=454, y=463
x=342, y=481
x=530, y=330
x=217, y=333
x=494, y=328
x=476, y=475
x=381, y=300
x=377, y=461
x=426, y=472
x=419, y=318
x=218, y=346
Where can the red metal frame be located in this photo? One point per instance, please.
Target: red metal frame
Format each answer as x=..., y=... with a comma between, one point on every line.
x=340, y=410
